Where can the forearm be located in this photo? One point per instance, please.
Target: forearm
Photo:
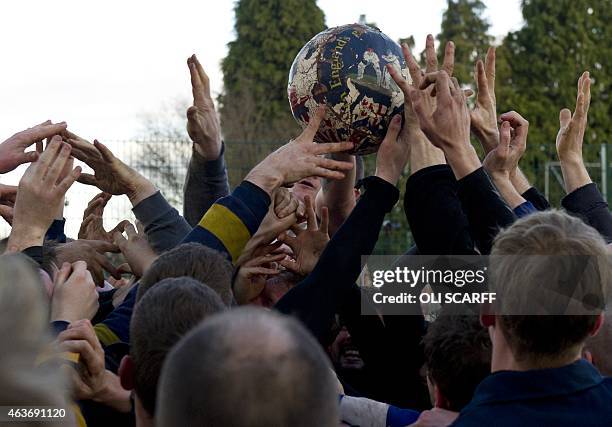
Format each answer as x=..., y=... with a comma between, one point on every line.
x=507, y=190
x=423, y=154
x=487, y=213
x=588, y=203
x=205, y=183
x=519, y=180
x=339, y=195
x=575, y=174
x=463, y=160
x=164, y=227
x=434, y=213
x=23, y=237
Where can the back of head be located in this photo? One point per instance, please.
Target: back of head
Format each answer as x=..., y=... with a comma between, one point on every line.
x=24, y=381
x=549, y=262
x=248, y=367
x=165, y=314
x=192, y=260
x=458, y=357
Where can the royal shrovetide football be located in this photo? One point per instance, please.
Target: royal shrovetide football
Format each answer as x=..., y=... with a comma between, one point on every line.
x=345, y=68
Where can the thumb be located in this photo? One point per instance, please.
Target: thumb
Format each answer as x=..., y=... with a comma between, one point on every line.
x=29, y=157
x=192, y=112
x=504, y=138
x=565, y=116
x=394, y=128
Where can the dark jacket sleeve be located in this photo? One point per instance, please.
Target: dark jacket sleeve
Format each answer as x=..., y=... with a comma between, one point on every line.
x=315, y=300
x=486, y=211
x=434, y=212
x=232, y=220
x=163, y=225
x=56, y=231
x=205, y=183
x=587, y=203
x=536, y=198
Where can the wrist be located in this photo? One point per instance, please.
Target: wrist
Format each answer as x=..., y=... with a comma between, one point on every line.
x=571, y=159
x=264, y=180
x=140, y=191
x=112, y=394
x=489, y=139
x=23, y=237
x=392, y=177
x=208, y=151
x=462, y=159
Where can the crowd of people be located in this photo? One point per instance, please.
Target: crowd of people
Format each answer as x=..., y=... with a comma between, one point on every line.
x=246, y=310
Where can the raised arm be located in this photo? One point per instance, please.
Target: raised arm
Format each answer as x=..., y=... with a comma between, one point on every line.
x=206, y=180
x=448, y=127
x=163, y=224
x=431, y=204
x=231, y=222
x=583, y=198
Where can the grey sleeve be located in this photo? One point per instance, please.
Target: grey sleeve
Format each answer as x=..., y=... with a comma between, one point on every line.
x=164, y=227
x=205, y=183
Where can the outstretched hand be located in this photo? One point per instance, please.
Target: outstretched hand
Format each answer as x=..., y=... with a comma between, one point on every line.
x=423, y=153
x=93, y=252
x=484, y=116
x=12, y=151
x=40, y=195
x=573, y=126
x=92, y=227
x=448, y=126
x=251, y=277
x=300, y=158
x=111, y=175
x=202, y=121
x=308, y=244
x=393, y=153
x=74, y=293
x=136, y=249
x=504, y=158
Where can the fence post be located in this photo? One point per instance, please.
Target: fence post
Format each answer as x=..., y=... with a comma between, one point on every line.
x=547, y=181
x=604, y=172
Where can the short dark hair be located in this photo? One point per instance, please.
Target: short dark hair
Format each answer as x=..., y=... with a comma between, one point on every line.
x=540, y=339
x=192, y=260
x=458, y=357
x=167, y=312
x=248, y=367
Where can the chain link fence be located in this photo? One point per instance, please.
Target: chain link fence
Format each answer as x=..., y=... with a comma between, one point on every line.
x=165, y=162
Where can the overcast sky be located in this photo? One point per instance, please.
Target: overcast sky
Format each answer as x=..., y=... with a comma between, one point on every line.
x=101, y=65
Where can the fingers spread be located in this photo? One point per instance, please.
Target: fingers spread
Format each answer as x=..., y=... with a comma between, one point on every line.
x=449, y=58
x=333, y=147
x=430, y=55
x=313, y=125
x=413, y=67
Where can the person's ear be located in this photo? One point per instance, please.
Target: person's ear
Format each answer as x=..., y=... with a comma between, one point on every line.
x=439, y=400
x=126, y=372
x=487, y=317
x=598, y=324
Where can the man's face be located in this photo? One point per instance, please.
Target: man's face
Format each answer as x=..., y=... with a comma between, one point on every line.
x=344, y=354
x=306, y=187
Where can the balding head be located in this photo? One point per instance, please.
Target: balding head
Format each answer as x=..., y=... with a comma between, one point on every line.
x=247, y=367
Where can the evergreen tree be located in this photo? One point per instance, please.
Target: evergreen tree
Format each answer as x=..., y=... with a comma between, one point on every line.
x=539, y=66
x=464, y=25
x=269, y=34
